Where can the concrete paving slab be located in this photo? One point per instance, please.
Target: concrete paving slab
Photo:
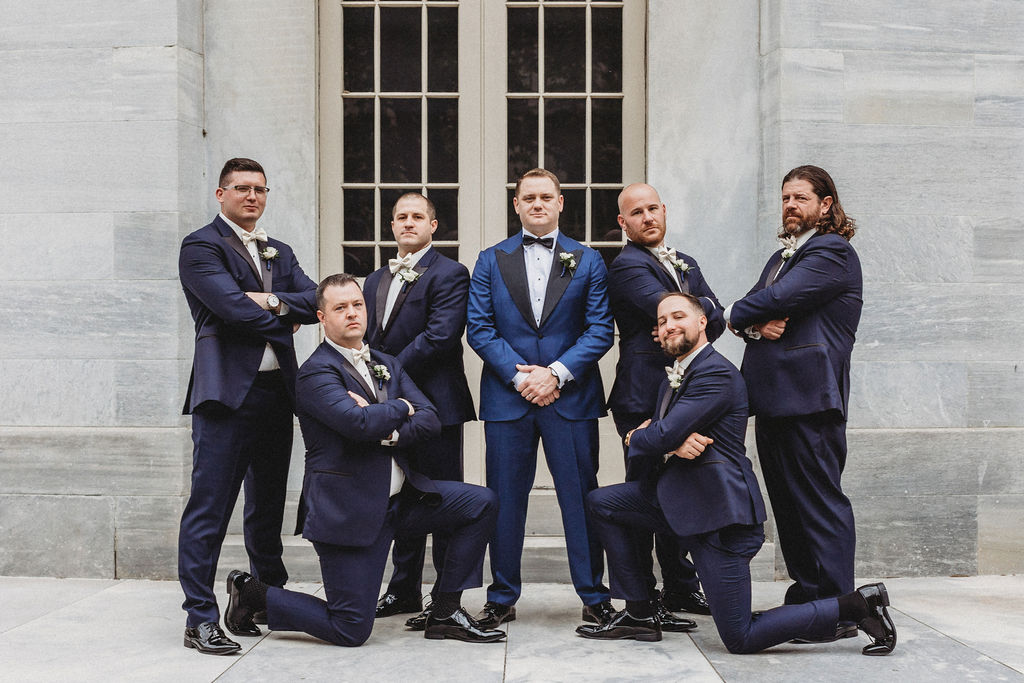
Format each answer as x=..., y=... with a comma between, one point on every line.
x=25, y=599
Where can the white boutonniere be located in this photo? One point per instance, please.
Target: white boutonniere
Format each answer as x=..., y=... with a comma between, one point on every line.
x=568, y=262
x=269, y=254
x=788, y=244
x=408, y=275
x=680, y=265
x=382, y=374
x=675, y=379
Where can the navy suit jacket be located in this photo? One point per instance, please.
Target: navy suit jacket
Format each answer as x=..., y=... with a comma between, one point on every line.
x=636, y=282
x=425, y=331
x=807, y=370
x=576, y=328
x=718, y=488
x=231, y=329
x=347, y=483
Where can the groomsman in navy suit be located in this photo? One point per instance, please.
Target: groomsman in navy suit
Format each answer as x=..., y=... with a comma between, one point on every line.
x=539, y=318
x=800, y=322
x=702, y=488
x=642, y=272
x=247, y=295
x=361, y=415
x=416, y=310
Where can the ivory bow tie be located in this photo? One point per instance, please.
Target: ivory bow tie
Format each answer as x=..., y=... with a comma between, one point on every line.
x=362, y=354
x=257, y=234
x=666, y=255
x=397, y=264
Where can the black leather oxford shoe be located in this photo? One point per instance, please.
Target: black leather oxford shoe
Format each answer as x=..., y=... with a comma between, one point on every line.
x=494, y=614
x=238, y=615
x=623, y=626
x=460, y=626
x=260, y=617
x=878, y=624
x=672, y=623
x=600, y=613
x=210, y=640
x=694, y=603
x=391, y=604
x=842, y=631
x=419, y=622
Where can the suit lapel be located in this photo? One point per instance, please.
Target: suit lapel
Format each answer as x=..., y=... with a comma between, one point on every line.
x=382, y=386
x=232, y=239
x=512, y=266
x=268, y=273
x=354, y=374
x=676, y=282
x=666, y=400
x=420, y=267
x=382, y=297
x=558, y=280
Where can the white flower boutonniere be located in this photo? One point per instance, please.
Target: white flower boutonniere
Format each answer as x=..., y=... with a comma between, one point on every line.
x=568, y=261
x=408, y=275
x=269, y=254
x=788, y=244
x=382, y=374
x=675, y=379
x=680, y=265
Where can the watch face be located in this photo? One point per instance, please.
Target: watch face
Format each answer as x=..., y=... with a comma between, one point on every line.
x=273, y=301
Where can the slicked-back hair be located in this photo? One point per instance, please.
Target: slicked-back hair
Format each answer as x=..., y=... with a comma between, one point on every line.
x=336, y=280
x=836, y=219
x=539, y=173
x=239, y=164
x=694, y=302
x=431, y=211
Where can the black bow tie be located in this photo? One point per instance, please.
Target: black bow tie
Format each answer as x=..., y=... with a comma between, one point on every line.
x=546, y=242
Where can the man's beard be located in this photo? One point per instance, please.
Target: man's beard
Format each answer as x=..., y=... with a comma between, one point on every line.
x=680, y=345
x=800, y=227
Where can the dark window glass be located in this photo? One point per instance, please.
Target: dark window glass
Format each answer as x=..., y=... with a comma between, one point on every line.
x=358, y=115
x=573, y=221
x=606, y=51
x=565, y=130
x=565, y=49
x=399, y=140
x=358, y=260
x=515, y=225
x=522, y=137
x=400, y=49
x=388, y=197
x=386, y=253
x=357, y=53
x=446, y=204
x=522, y=50
x=443, y=49
x=442, y=140
x=608, y=254
x=604, y=211
x=450, y=252
x=358, y=216
x=606, y=141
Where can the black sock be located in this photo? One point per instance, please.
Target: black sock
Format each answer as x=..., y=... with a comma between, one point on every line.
x=641, y=609
x=253, y=595
x=445, y=604
x=852, y=607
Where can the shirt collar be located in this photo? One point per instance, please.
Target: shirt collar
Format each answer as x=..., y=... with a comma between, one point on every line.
x=416, y=256
x=802, y=239
x=681, y=366
x=348, y=353
x=234, y=226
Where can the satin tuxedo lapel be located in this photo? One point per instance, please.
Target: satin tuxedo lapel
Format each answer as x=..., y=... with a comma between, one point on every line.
x=236, y=244
x=676, y=282
x=360, y=382
x=381, y=296
x=512, y=267
x=558, y=280
x=420, y=268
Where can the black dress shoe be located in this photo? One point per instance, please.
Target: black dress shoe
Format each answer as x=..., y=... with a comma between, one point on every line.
x=460, y=626
x=694, y=603
x=210, y=640
x=494, y=614
x=238, y=615
x=260, y=617
x=391, y=604
x=623, y=626
x=842, y=631
x=601, y=613
x=878, y=624
x=419, y=622
x=672, y=623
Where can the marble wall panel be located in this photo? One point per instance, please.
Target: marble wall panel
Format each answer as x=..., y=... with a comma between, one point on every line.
x=190, y=24
x=190, y=87
x=998, y=250
x=55, y=85
x=145, y=246
x=57, y=246
x=57, y=536
x=908, y=395
x=147, y=536
x=916, y=536
x=1000, y=534
x=938, y=322
x=915, y=248
x=145, y=83
x=94, y=461
x=995, y=394
x=87, y=23
x=814, y=80
x=149, y=392
x=999, y=90
x=877, y=25
x=112, y=319
x=909, y=88
x=1000, y=456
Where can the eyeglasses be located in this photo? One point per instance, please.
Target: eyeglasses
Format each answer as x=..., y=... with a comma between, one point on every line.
x=260, y=190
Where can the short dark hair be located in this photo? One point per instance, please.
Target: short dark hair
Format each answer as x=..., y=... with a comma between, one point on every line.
x=336, y=280
x=431, y=211
x=836, y=219
x=539, y=173
x=239, y=164
x=694, y=302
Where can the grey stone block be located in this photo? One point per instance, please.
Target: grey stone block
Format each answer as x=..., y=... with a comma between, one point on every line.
x=1001, y=534
x=55, y=85
x=145, y=246
x=995, y=394
x=998, y=250
x=999, y=90
x=94, y=461
x=899, y=248
x=907, y=394
x=78, y=245
x=60, y=25
x=145, y=82
x=808, y=84
x=57, y=536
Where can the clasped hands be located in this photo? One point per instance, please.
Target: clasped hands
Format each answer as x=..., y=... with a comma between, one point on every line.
x=540, y=387
x=691, y=448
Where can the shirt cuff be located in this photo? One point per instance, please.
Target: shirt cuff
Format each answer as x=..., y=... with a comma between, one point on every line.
x=563, y=373
x=284, y=309
x=391, y=440
x=727, y=314
x=518, y=379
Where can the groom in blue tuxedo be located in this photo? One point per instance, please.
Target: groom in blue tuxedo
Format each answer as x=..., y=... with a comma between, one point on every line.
x=539, y=319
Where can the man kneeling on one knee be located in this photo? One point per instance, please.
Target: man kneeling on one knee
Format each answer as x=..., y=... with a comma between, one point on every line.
x=704, y=491
x=359, y=411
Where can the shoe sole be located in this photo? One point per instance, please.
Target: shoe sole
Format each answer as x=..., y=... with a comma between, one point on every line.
x=645, y=637
x=195, y=646
x=456, y=634
x=482, y=624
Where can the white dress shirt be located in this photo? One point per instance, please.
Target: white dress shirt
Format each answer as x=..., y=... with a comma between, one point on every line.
x=397, y=282
x=539, y=260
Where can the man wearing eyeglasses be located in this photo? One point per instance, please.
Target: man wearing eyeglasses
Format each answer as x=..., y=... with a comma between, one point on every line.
x=248, y=296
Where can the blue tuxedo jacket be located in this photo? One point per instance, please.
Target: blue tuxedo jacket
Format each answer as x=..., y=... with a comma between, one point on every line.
x=636, y=282
x=718, y=488
x=576, y=328
x=425, y=331
x=231, y=329
x=807, y=370
x=346, y=487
